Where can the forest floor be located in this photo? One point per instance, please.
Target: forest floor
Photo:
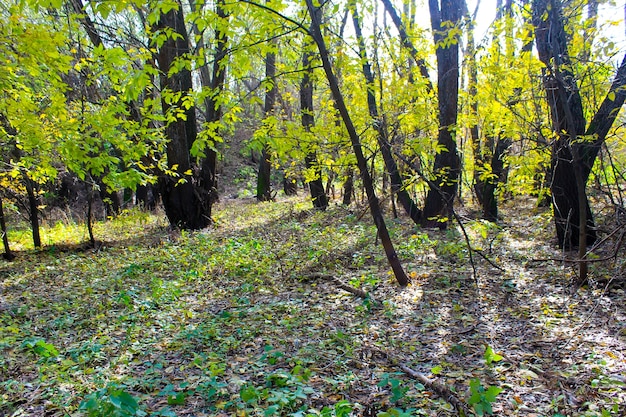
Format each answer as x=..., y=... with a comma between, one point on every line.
x=252, y=318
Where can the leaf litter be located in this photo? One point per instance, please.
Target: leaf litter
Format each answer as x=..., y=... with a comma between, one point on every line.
x=281, y=310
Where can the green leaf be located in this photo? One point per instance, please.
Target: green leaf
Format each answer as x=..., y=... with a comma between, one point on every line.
x=491, y=356
x=178, y=399
x=611, y=95
x=492, y=392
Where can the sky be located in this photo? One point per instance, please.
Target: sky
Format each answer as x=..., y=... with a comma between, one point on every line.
x=610, y=10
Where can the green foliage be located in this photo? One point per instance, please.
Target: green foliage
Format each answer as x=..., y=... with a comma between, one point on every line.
x=396, y=386
x=40, y=348
x=481, y=398
x=491, y=356
x=397, y=412
x=113, y=401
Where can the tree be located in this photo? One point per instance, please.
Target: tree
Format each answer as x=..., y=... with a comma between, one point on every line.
x=575, y=145
x=213, y=107
x=186, y=207
x=447, y=165
x=489, y=142
x=374, y=205
x=316, y=187
x=380, y=126
x=264, y=185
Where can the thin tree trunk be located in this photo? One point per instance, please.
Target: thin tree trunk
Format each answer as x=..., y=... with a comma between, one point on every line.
x=89, y=189
x=348, y=187
x=374, y=205
x=316, y=186
x=8, y=255
x=33, y=210
x=397, y=186
x=264, y=185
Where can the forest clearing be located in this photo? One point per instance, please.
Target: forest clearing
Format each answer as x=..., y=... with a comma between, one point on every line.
x=249, y=318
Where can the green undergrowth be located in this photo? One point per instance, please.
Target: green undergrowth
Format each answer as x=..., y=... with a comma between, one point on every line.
x=239, y=320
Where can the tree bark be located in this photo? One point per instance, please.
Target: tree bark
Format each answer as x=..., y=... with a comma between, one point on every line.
x=570, y=205
x=33, y=209
x=439, y=200
x=397, y=186
x=8, y=255
x=185, y=207
x=264, y=185
x=316, y=186
x=213, y=111
x=348, y=187
x=374, y=205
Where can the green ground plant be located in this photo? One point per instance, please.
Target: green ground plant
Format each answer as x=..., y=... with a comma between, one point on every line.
x=227, y=321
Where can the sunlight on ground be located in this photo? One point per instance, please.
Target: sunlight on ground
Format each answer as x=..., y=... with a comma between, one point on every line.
x=247, y=315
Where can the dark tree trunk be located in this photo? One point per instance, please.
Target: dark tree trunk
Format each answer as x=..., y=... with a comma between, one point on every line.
x=8, y=255
x=397, y=186
x=89, y=189
x=348, y=187
x=146, y=196
x=440, y=199
x=488, y=153
x=33, y=210
x=213, y=110
x=489, y=185
x=316, y=186
x=264, y=185
x=572, y=160
x=374, y=205
x=186, y=206
x=290, y=185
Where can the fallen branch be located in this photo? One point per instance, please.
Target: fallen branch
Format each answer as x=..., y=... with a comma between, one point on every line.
x=442, y=391
x=352, y=290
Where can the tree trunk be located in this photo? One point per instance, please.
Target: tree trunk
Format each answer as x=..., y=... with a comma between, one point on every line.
x=8, y=255
x=348, y=187
x=213, y=111
x=571, y=207
x=397, y=186
x=89, y=189
x=316, y=186
x=185, y=204
x=374, y=205
x=440, y=199
x=33, y=210
x=264, y=185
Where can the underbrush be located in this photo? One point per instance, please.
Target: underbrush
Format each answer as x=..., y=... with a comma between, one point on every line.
x=246, y=318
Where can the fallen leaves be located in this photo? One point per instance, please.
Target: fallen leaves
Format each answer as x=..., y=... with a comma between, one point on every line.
x=235, y=321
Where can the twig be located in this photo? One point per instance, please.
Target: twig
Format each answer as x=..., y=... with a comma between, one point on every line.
x=620, y=241
x=352, y=290
x=469, y=245
x=486, y=258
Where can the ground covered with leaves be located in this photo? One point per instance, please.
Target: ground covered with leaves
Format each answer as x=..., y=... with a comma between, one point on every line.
x=261, y=316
